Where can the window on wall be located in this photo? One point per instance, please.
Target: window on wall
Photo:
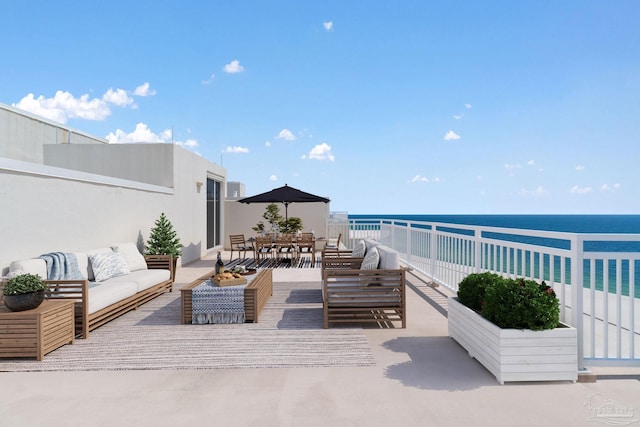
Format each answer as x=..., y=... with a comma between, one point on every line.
x=214, y=213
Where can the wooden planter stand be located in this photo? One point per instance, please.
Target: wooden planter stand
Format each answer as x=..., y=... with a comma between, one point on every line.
x=514, y=354
x=34, y=333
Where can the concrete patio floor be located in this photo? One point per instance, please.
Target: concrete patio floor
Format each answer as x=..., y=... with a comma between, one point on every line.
x=421, y=378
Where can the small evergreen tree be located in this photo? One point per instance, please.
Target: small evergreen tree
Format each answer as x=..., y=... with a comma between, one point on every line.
x=163, y=240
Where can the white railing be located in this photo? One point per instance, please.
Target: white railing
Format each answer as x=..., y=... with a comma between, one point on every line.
x=607, y=305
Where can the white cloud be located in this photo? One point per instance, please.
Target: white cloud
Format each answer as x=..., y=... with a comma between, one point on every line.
x=579, y=168
x=273, y=178
x=531, y=162
x=209, y=80
x=419, y=178
x=143, y=90
x=436, y=179
x=267, y=143
x=286, y=134
x=143, y=134
x=233, y=67
x=117, y=97
x=64, y=106
x=539, y=191
x=467, y=106
x=322, y=152
x=236, y=149
x=511, y=166
x=451, y=136
x=580, y=190
x=328, y=25
x=189, y=143
x=607, y=187
x=458, y=116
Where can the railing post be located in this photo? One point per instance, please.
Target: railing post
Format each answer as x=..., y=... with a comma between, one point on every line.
x=433, y=251
x=577, y=293
x=408, y=243
x=477, y=246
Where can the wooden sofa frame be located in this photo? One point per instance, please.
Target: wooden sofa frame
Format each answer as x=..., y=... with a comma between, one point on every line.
x=352, y=295
x=256, y=295
x=78, y=290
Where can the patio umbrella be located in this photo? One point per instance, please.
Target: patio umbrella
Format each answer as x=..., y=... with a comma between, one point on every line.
x=284, y=195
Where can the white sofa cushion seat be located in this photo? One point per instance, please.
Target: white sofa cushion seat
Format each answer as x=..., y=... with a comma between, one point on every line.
x=144, y=279
x=103, y=295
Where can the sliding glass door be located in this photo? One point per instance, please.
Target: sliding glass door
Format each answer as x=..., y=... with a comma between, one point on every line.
x=214, y=213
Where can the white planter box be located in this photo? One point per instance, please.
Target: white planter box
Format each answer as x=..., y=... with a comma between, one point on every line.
x=513, y=354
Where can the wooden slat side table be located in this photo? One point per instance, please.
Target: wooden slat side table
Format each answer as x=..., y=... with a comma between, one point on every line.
x=34, y=333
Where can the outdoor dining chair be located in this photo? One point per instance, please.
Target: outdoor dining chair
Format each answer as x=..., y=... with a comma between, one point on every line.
x=264, y=248
x=306, y=244
x=286, y=247
x=333, y=246
x=239, y=245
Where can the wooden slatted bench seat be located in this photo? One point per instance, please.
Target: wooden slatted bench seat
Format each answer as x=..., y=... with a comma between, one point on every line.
x=356, y=295
x=352, y=294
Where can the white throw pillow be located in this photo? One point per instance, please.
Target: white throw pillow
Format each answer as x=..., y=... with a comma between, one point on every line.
x=131, y=255
x=371, y=260
x=107, y=265
x=359, y=249
x=90, y=273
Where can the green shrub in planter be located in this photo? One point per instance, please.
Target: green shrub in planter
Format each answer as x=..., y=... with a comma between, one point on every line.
x=471, y=289
x=521, y=304
x=24, y=284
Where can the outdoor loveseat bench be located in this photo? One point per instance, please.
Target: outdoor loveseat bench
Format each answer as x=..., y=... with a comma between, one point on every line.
x=99, y=295
x=364, y=289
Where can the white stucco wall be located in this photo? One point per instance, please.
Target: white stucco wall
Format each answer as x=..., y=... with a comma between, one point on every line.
x=22, y=135
x=46, y=208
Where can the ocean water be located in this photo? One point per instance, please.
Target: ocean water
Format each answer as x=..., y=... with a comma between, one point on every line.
x=568, y=223
x=606, y=224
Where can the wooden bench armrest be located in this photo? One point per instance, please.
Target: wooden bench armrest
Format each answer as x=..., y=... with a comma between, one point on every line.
x=67, y=289
x=161, y=262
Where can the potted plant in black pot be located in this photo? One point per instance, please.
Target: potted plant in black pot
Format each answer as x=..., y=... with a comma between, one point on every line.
x=163, y=240
x=24, y=292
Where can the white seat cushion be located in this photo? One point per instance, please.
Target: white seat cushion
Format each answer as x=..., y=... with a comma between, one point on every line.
x=103, y=295
x=144, y=279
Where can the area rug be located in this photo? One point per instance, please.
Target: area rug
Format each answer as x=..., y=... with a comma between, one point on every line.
x=289, y=334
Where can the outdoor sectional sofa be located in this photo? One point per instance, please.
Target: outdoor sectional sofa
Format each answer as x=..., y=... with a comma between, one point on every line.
x=104, y=283
x=367, y=286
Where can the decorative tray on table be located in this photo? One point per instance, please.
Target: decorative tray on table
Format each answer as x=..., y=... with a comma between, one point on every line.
x=228, y=279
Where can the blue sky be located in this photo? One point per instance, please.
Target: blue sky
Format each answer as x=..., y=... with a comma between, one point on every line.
x=388, y=107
